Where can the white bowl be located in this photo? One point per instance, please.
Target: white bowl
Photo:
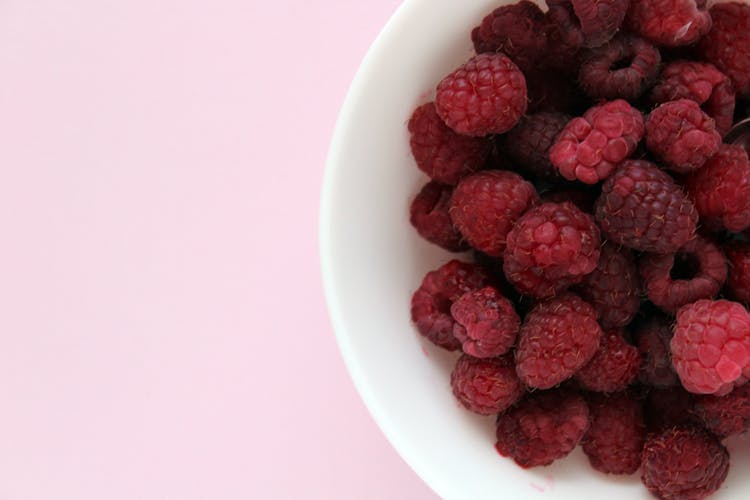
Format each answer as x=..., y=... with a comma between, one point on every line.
x=373, y=260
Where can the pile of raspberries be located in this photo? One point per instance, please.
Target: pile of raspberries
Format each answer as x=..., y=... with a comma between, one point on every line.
x=579, y=157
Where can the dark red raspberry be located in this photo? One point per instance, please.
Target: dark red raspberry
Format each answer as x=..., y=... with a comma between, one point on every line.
x=589, y=148
x=485, y=206
x=431, y=303
x=725, y=415
x=682, y=135
x=671, y=23
x=726, y=44
x=613, y=288
x=486, y=386
x=600, y=19
x=641, y=207
x=550, y=247
x=429, y=215
x=697, y=271
x=721, y=189
x=542, y=428
x=683, y=463
x=553, y=92
x=564, y=37
x=622, y=68
x=702, y=83
x=487, y=95
x=557, y=338
x=668, y=407
x=615, y=438
x=529, y=142
x=486, y=323
x=738, y=284
x=711, y=346
x=653, y=337
x=614, y=366
x=582, y=198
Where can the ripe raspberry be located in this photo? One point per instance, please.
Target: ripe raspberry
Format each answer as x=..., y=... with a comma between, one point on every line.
x=431, y=303
x=683, y=463
x=600, y=19
x=550, y=247
x=682, y=135
x=613, y=288
x=564, y=36
x=653, y=337
x=557, y=338
x=738, y=284
x=702, y=83
x=486, y=323
x=614, y=366
x=485, y=205
x=711, y=346
x=486, y=386
x=543, y=427
x=616, y=435
x=622, y=68
x=726, y=44
x=726, y=415
x=487, y=95
x=697, y=271
x=529, y=142
x=641, y=207
x=440, y=152
x=721, y=189
x=666, y=408
x=429, y=215
x=589, y=148
x=671, y=23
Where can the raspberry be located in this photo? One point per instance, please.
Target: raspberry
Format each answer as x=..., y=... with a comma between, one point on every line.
x=543, y=427
x=697, y=271
x=486, y=323
x=622, y=68
x=725, y=415
x=613, y=288
x=529, y=142
x=486, y=386
x=614, y=366
x=721, y=189
x=557, y=338
x=702, y=83
x=564, y=36
x=550, y=247
x=589, y=148
x=431, y=303
x=641, y=207
x=653, y=339
x=683, y=463
x=666, y=408
x=429, y=215
x=485, y=205
x=600, y=19
x=738, y=284
x=682, y=135
x=615, y=437
x=711, y=346
x=726, y=44
x=671, y=23
x=440, y=152
x=487, y=95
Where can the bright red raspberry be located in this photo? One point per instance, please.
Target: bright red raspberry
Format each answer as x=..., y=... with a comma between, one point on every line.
x=683, y=463
x=550, y=247
x=622, y=68
x=557, y=338
x=668, y=407
x=613, y=288
x=486, y=386
x=614, y=366
x=721, y=189
x=682, y=135
x=529, y=142
x=653, y=337
x=486, y=323
x=600, y=19
x=738, y=284
x=615, y=438
x=487, y=95
x=485, y=205
x=590, y=147
x=641, y=207
x=543, y=427
x=727, y=44
x=725, y=415
x=440, y=152
x=431, y=303
x=671, y=23
x=711, y=346
x=564, y=37
x=429, y=215
x=697, y=271
x=702, y=83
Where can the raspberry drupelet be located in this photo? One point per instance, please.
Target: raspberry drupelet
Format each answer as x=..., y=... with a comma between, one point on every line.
x=486, y=386
x=600, y=19
x=486, y=323
x=725, y=415
x=429, y=216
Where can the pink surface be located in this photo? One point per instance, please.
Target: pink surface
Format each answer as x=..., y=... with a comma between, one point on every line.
x=163, y=326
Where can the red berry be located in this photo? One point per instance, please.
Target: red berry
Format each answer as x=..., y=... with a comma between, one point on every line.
x=726, y=44
x=653, y=337
x=738, y=284
x=486, y=323
x=564, y=37
x=725, y=415
x=668, y=407
x=614, y=366
x=429, y=216
x=671, y=23
x=529, y=142
x=600, y=19
x=486, y=386
x=615, y=438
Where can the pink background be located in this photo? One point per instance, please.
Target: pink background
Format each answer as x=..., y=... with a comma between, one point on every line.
x=163, y=329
